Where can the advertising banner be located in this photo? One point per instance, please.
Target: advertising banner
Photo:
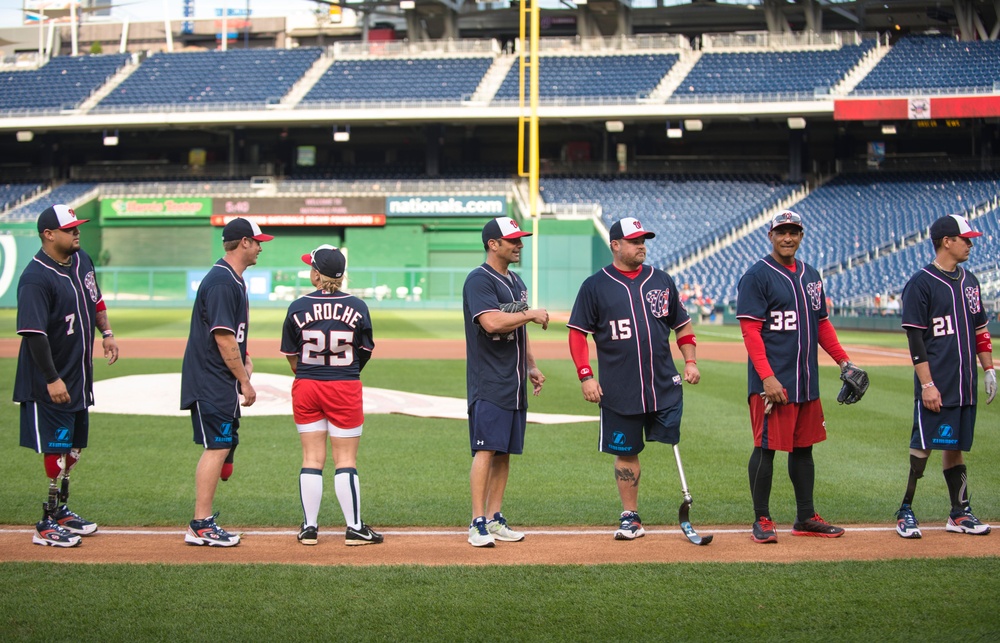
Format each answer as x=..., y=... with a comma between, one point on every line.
x=165, y=208
x=302, y=211
x=446, y=206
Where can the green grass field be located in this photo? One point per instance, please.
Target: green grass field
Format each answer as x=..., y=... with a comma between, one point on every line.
x=139, y=471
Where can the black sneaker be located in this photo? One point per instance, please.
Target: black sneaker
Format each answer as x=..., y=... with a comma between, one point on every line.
x=629, y=526
x=764, y=531
x=363, y=536
x=308, y=535
x=72, y=522
x=816, y=526
x=50, y=533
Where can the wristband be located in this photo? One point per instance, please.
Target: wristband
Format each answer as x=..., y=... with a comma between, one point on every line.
x=584, y=379
x=107, y=333
x=690, y=361
x=927, y=385
x=584, y=372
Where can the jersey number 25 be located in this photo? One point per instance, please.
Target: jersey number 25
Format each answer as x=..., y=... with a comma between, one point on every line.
x=341, y=350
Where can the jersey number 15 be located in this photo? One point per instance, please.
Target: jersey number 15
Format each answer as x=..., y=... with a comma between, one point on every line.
x=341, y=350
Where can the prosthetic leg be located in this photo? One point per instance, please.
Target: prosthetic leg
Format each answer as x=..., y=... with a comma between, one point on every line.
x=55, y=508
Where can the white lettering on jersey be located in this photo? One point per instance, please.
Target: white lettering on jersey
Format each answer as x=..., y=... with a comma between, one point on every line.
x=329, y=311
x=943, y=326
x=621, y=328
x=784, y=320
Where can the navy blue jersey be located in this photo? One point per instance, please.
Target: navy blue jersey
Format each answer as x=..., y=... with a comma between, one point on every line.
x=220, y=304
x=327, y=331
x=496, y=367
x=59, y=302
x=631, y=320
x=948, y=311
x=791, y=305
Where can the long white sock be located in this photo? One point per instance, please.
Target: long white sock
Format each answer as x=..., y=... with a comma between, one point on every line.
x=311, y=494
x=345, y=481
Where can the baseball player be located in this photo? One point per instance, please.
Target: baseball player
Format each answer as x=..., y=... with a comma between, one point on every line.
x=630, y=309
x=946, y=328
x=782, y=311
x=327, y=339
x=58, y=306
x=216, y=371
x=499, y=363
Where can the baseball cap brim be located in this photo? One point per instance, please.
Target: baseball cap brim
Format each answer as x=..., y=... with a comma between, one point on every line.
x=971, y=234
x=642, y=234
x=262, y=237
x=517, y=235
x=73, y=224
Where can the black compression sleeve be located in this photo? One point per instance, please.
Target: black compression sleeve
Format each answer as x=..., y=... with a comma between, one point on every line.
x=363, y=357
x=41, y=353
x=915, y=338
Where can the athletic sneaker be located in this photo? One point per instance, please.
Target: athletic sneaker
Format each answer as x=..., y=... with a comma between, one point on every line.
x=764, y=531
x=206, y=532
x=906, y=523
x=963, y=522
x=73, y=523
x=365, y=535
x=308, y=535
x=629, y=526
x=479, y=535
x=500, y=530
x=49, y=532
x=816, y=526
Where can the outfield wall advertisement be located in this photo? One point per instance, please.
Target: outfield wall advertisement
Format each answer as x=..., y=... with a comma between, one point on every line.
x=302, y=211
x=172, y=208
x=446, y=206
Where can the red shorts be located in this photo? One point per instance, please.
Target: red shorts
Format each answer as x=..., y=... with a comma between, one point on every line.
x=338, y=401
x=787, y=425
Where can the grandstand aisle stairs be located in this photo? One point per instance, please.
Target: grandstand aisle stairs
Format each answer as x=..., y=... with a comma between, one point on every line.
x=304, y=84
x=109, y=86
x=493, y=78
x=674, y=77
x=728, y=239
x=858, y=73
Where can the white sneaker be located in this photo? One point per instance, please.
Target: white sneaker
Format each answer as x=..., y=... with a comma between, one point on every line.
x=500, y=530
x=629, y=526
x=479, y=536
x=966, y=523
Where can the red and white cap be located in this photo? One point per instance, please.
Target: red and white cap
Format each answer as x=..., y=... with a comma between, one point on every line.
x=628, y=228
x=953, y=225
x=58, y=217
x=240, y=228
x=502, y=228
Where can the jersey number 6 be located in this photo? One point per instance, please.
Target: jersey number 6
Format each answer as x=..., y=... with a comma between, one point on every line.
x=341, y=350
x=784, y=320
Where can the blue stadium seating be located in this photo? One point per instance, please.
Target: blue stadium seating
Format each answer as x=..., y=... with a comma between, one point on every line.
x=11, y=193
x=776, y=73
x=211, y=78
x=66, y=193
x=399, y=79
x=934, y=62
x=62, y=83
x=852, y=216
x=686, y=212
x=627, y=76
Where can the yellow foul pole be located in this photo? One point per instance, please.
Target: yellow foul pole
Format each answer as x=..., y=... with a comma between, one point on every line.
x=530, y=11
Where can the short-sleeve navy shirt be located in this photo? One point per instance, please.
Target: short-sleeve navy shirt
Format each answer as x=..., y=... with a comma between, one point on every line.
x=790, y=305
x=327, y=330
x=220, y=304
x=495, y=365
x=948, y=311
x=631, y=320
x=59, y=302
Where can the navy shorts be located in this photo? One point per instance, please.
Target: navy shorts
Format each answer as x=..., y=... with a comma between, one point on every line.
x=950, y=430
x=492, y=428
x=623, y=434
x=48, y=429
x=214, y=429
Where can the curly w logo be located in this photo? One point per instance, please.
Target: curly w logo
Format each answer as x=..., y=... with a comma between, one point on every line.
x=815, y=290
x=972, y=299
x=659, y=302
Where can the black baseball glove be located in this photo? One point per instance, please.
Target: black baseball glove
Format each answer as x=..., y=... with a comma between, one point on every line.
x=855, y=384
x=514, y=307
